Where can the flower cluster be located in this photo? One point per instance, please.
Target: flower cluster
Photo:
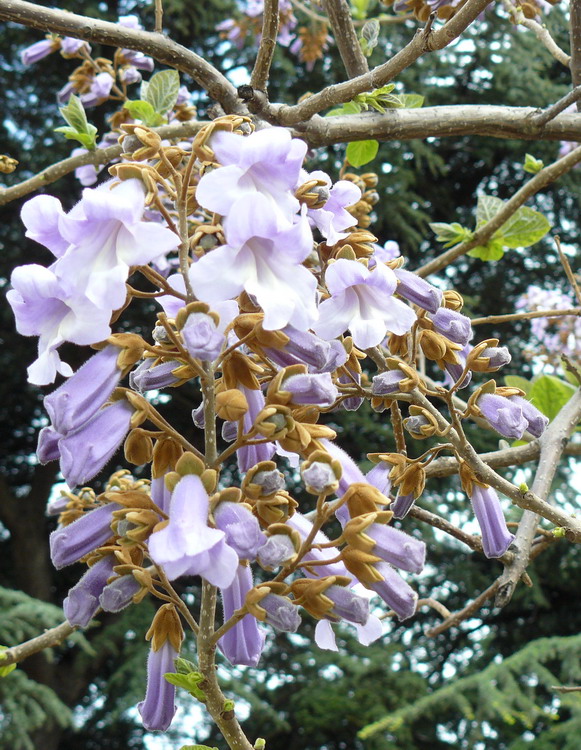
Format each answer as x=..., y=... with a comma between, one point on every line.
x=285, y=308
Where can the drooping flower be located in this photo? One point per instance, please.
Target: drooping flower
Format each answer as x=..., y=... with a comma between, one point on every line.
x=453, y=325
x=394, y=591
x=119, y=593
x=243, y=643
x=38, y=50
x=82, y=601
x=187, y=545
x=265, y=262
x=266, y=163
x=99, y=90
x=241, y=528
x=536, y=421
x=418, y=291
x=69, y=543
x=250, y=455
x=362, y=301
x=503, y=414
x=496, y=538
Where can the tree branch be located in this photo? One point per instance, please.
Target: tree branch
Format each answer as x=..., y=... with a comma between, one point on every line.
x=270, y=21
x=575, y=36
x=98, y=157
x=343, y=92
x=162, y=49
x=48, y=639
x=551, y=448
x=543, y=178
x=345, y=37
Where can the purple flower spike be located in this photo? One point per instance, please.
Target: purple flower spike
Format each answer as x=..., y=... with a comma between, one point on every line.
x=201, y=337
x=187, y=545
x=496, y=538
x=402, y=505
x=453, y=325
x=119, y=594
x=536, y=421
x=387, y=382
x=86, y=450
x=378, y=476
x=395, y=592
x=281, y=613
x=37, y=51
x=503, y=414
x=316, y=389
x=69, y=543
x=82, y=395
x=158, y=708
x=243, y=643
x=397, y=548
x=241, y=527
x=82, y=601
x=416, y=290
x=348, y=605
x=362, y=301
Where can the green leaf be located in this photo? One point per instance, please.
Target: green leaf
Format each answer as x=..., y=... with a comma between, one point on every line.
x=450, y=234
x=189, y=682
x=85, y=139
x=361, y=152
x=78, y=128
x=5, y=671
x=487, y=208
x=549, y=394
x=412, y=101
x=162, y=90
x=145, y=112
x=515, y=381
x=493, y=250
x=525, y=227
x=532, y=165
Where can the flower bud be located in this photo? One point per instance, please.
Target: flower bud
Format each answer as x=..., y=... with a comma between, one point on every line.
x=453, y=325
x=138, y=447
x=417, y=290
x=231, y=405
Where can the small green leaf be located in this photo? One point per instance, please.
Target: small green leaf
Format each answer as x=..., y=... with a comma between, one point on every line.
x=523, y=488
x=450, y=234
x=525, y=227
x=493, y=250
x=78, y=128
x=361, y=152
x=515, y=381
x=85, y=139
x=5, y=671
x=549, y=394
x=260, y=743
x=412, y=101
x=162, y=90
x=145, y=112
x=190, y=682
x=532, y=165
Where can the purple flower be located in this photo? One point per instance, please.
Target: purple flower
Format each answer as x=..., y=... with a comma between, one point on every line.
x=264, y=261
x=496, y=538
x=402, y=505
x=99, y=91
x=304, y=347
x=366, y=634
x=454, y=371
x=48, y=445
x=397, y=548
x=41, y=215
x=311, y=389
x=38, y=50
x=319, y=477
x=387, y=382
x=160, y=494
x=362, y=301
x=378, y=476
x=129, y=74
x=158, y=708
x=82, y=602
x=119, y=593
x=265, y=163
x=418, y=291
x=241, y=528
x=138, y=60
x=347, y=605
x=64, y=94
x=503, y=414
x=87, y=174
x=243, y=643
x=333, y=218
x=498, y=356
x=281, y=613
x=394, y=591
x=250, y=455
x=201, y=337
x=71, y=46
x=86, y=450
x=43, y=307
x=84, y=393
x=149, y=377
x=187, y=545
x=68, y=544
x=389, y=251
x=536, y=421
x=277, y=549
x=453, y=325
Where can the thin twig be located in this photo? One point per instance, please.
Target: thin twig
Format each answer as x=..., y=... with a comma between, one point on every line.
x=574, y=311
x=158, y=17
x=566, y=688
x=270, y=22
x=555, y=109
x=575, y=38
x=463, y=614
x=568, y=270
x=543, y=178
x=383, y=18
x=48, y=639
x=541, y=32
x=345, y=37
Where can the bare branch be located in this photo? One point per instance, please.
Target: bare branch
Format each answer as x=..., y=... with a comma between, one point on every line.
x=440, y=122
x=575, y=36
x=551, y=444
x=270, y=21
x=571, y=311
x=555, y=109
x=48, y=639
x=103, y=32
x=543, y=178
x=98, y=157
x=343, y=92
x=470, y=609
x=541, y=32
x=568, y=270
x=345, y=37
x=158, y=16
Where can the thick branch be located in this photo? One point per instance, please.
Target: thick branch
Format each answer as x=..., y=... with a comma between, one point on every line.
x=545, y=177
x=551, y=444
x=345, y=37
x=98, y=157
x=270, y=16
x=343, y=92
x=103, y=32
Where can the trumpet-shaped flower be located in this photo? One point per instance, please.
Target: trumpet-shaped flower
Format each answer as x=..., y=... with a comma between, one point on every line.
x=243, y=643
x=264, y=261
x=362, y=301
x=496, y=538
x=187, y=545
x=158, y=708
